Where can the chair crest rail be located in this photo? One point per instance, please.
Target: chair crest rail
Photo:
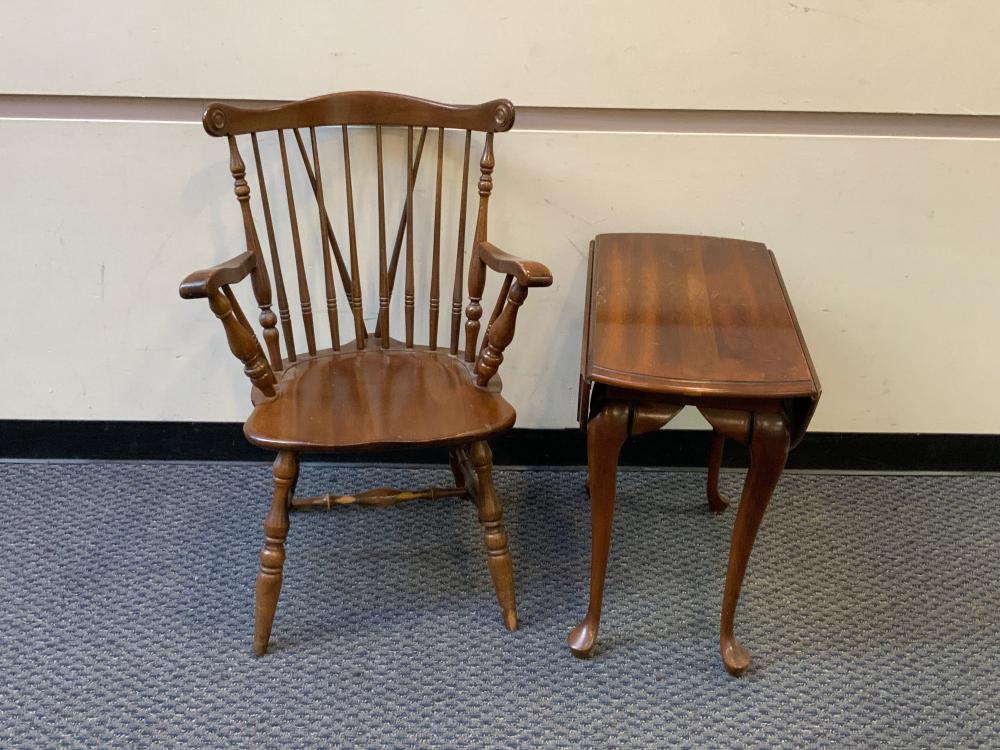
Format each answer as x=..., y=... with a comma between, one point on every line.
x=359, y=108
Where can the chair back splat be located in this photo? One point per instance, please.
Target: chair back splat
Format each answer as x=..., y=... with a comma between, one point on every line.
x=342, y=114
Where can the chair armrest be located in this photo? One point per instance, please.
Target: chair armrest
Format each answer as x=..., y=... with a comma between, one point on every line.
x=203, y=283
x=213, y=284
x=527, y=272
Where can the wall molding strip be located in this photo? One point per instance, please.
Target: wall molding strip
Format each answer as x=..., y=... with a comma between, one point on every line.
x=555, y=119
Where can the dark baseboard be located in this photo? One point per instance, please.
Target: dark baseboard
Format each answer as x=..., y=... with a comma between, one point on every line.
x=223, y=441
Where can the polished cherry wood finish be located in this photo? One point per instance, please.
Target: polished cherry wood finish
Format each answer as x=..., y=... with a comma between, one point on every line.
x=675, y=320
x=393, y=398
x=371, y=391
x=696, y=316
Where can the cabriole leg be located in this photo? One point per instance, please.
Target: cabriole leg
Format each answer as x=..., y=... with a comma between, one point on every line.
x=606, y=433
x=768, y=452
x=272, y=555
x=490, y=516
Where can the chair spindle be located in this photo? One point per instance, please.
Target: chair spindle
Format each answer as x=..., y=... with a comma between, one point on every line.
x=242, y=342
x=324, y=220
x=279, y=281
x=435, y=291
x=408, y=301
x=258, y=277
x=383, y=281
x=477, y=269
x=345, y=277
x=456, y=297
x=497, y=309
x=300, y=268
x=360, y=332
x=398, y=244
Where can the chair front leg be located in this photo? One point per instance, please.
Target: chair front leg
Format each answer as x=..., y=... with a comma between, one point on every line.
x=272, y=554
x=491, y=517
x=769, y=444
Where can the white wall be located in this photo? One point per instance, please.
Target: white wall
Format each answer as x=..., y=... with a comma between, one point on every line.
x=887, y=243
x=845, y=55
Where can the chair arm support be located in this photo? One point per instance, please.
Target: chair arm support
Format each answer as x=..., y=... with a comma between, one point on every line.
x=521, y=275
x=499, y=334
x=203, y=283
x=528, y=273
x=213, y=285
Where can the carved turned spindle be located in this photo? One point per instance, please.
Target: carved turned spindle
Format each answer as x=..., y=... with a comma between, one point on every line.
x=435, y=291
x=300, y=268
x=497, y=309
x=360, y=333
x=408, y=299
x=501, y=333
x=324, y=220
x=383, y=497
x=279, y=281
x=477, y=269
x=383, y=280
x=242, y=342
x=258, y=277
x=456, y=297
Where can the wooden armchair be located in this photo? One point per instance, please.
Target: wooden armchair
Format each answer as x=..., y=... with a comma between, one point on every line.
x=374, y=392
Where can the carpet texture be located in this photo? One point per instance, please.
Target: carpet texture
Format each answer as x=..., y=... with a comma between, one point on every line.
x=871, y=609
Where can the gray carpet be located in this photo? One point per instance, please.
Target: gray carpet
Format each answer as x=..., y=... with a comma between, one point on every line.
x=871, y=610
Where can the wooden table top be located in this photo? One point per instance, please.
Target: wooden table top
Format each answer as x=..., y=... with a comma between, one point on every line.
x=692, y=316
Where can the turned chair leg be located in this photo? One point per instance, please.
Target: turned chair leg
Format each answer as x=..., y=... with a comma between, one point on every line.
x=606, y=433
x=272, y=554
x=490, y=516
x=717, y=502
x=769, y=445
